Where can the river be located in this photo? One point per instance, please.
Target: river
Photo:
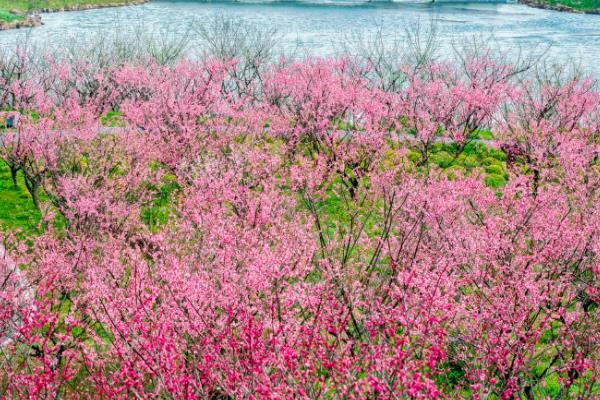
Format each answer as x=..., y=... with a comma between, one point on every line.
x=319, y=26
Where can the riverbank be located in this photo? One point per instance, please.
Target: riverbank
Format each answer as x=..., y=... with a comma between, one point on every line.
x=573, y=6
x=80, y=5
x=25, y=13
x=14, y=21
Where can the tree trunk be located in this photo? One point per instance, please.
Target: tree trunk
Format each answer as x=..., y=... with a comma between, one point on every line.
x=35, y=197
x=536, y=182
x=33, y=189
x=13, y=174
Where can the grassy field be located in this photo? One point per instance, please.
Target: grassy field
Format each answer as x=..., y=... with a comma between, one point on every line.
x=17, y=213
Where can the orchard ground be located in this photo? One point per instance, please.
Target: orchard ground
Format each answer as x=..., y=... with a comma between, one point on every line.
x=253, y=226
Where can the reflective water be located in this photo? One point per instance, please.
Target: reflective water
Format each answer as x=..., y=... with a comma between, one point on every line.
x=318, y=26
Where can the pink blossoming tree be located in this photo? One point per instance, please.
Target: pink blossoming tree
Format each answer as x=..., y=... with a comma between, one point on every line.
x=275, y=237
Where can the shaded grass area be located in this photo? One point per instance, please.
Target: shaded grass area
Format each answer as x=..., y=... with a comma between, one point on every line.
x=17, y=212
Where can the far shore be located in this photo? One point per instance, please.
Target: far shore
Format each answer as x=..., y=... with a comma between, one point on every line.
x=82, y=7
x=33, y=19
x=557, y=7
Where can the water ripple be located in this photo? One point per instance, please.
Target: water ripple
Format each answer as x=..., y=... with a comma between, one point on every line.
x=315, y=26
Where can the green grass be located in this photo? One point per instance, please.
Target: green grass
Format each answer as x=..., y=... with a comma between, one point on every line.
x=17, y=213
x=32, y=5
x=475, y=158
x=7, y=16
x=582, y=5
x=112, y=119
x=157, y=212
x=25, y=6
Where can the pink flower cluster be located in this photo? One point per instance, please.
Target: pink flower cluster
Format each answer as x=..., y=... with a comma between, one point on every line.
x=270, y=237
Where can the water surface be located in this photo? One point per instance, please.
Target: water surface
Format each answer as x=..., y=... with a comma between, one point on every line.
x=319, y=26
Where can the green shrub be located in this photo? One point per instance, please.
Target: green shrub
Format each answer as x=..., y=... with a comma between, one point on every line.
x=454, y=171
x=495, y=169
x=437, y=147
x=442, y=159
x=112, y=119
x=414, y=156
x=469, y=161
x=497, y=154
x=487, y=135
x=490, y=161
x=494, y=181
